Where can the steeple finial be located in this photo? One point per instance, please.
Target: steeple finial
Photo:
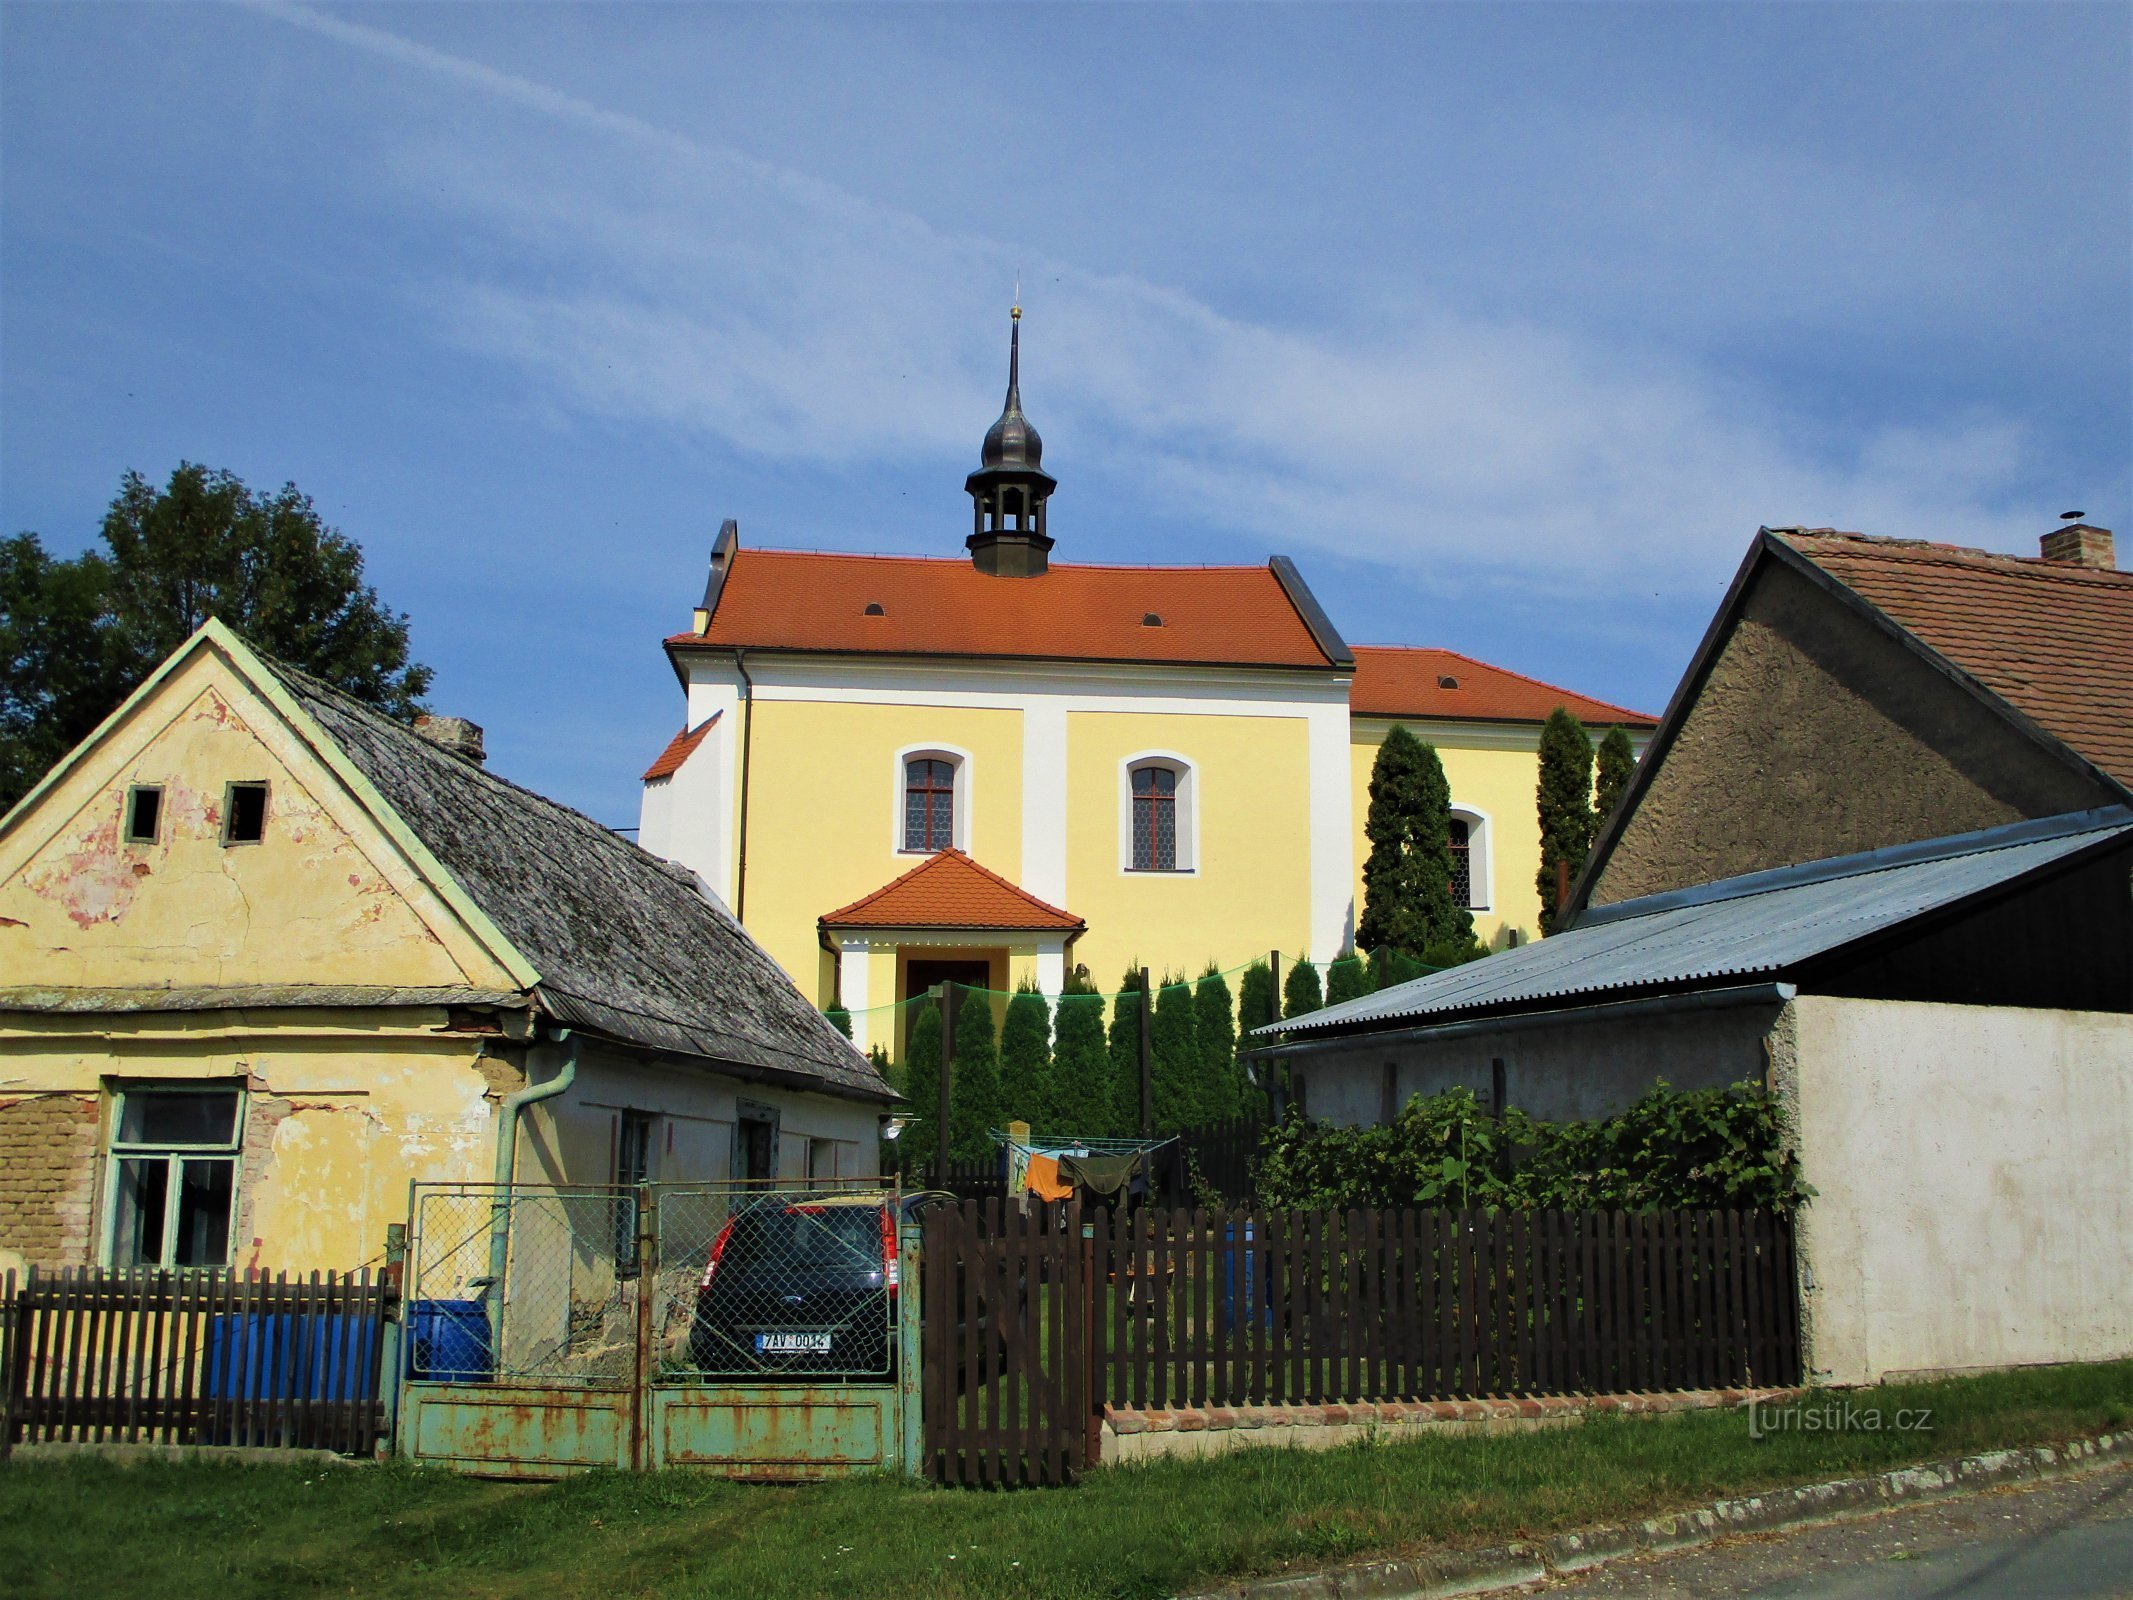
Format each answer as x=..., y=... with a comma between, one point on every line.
x=1010, y=487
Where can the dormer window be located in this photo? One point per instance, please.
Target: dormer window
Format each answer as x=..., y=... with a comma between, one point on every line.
x=1447, y=681
x=875, y=609
x=1152, y=619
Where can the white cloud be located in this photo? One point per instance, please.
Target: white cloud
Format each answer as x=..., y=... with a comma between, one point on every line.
x=645, y=276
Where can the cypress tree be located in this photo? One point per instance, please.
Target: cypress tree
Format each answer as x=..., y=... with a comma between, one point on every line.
x=1180, y=1099
x=1257, y=1005
x=1081, y=1064
x=1126, y=1057
x=1215, y=1027
x=974, y=1091
x=1300, y=993
x=1026, y=1087
x=840, y=1019
x=1563, y=798
x=922, y=1087
x=1617, y=765
x=1407, y=878
x=1348, y=978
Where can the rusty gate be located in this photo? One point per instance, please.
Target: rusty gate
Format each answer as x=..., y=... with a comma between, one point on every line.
x=756, y=1329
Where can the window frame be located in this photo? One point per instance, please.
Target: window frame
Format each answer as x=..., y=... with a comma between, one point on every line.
x=1185, y=810
x=959, y=799
x=1480, y=856
x=127, y=832
x=118, y=1152
x=229, y=810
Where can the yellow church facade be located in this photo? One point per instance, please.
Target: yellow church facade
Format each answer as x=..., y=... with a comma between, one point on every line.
x=996, y=768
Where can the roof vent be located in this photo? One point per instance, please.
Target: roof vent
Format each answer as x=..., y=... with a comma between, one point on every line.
x=1152, y=619
x=874, y=609
x=454, y=735
x=1447, y=681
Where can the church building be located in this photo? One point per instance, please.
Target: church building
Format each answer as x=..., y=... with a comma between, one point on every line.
x=904, y=770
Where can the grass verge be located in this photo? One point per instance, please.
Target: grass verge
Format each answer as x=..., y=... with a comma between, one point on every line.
x=214, y=1531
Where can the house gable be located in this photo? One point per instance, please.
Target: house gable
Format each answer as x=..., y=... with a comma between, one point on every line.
x=329, y=896
x=1807, y=731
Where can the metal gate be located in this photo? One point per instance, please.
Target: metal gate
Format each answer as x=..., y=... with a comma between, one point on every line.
x=758, y=1329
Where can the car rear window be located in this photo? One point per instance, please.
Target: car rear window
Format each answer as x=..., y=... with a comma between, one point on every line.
x=830, y=1236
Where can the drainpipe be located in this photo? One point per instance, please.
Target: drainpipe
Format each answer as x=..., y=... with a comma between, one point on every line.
x=740, y=876
x=573, y=1045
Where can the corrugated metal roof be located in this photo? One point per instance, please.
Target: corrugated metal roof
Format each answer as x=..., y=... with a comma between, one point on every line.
x=1739, y=928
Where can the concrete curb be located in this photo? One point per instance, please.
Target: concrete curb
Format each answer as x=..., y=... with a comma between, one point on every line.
x=1507, y=1566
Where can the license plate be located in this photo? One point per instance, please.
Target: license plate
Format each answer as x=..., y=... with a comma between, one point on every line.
x=792, y=1344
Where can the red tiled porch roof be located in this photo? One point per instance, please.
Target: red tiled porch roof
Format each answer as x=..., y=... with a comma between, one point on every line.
x=949, y=890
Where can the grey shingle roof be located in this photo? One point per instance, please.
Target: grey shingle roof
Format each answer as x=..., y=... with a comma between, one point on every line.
x=1756, y=926
x=625, y=944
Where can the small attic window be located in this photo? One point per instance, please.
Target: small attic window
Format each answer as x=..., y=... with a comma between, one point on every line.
x=244, y=813
x=1152, y=619
x=875, y=609
x=144, y=810
x=1447, y=681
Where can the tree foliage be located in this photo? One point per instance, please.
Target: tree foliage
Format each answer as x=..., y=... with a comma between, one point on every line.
x=839, y=1018
x=1564, y=801
x=1215, y=1029
x=1407, y=877
x=1082, y=1097
x=77, y=636
x=922, y=1087
x=1026, y=1078
x=1698, y=1148
x=1347, y=978
x=1617, y=765
x=1300, y=991
x=974, y=1082
x=1179, y=1094
x=1126, y=1056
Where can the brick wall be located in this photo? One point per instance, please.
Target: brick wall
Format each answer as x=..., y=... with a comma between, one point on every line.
x=48, y=1177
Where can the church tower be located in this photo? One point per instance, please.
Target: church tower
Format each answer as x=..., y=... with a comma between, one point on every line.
x=1009, y=490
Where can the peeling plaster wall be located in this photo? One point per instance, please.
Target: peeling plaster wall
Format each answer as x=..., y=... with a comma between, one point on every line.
x=325, y=898
x=1814, y=735
x=344, y=1111
x=1974, y=1203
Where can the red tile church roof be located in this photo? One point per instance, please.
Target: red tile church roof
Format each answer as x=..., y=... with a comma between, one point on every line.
x=1404, y=681
x=680, y=748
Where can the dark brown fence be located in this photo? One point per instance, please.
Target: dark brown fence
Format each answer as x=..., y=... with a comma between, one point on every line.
x=1226, y=1308
x=1006, y=1308
x=193, y=1358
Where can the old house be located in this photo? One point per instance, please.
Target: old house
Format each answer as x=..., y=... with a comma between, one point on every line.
x=267, y=957
x=1854, y=692
x=1157, y=764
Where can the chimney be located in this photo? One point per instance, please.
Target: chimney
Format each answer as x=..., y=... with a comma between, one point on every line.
x=2079, y=545
x=454, y=735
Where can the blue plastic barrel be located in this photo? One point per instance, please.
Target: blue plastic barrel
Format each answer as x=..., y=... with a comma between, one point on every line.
x=313, y=1357
x=448, y=1341
x=1254, y=1292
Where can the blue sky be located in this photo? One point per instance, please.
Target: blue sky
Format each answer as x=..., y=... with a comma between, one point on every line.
x=1510, y=324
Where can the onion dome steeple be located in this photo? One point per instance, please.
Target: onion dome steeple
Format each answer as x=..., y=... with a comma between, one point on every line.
x=1009, y=490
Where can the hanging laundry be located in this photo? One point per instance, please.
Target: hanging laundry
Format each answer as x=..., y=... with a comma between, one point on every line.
x=1044, y=1180
x=1102, y=1174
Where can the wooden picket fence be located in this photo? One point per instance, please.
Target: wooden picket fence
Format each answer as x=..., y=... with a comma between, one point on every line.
x=193, y=1358
x=1033, y=1324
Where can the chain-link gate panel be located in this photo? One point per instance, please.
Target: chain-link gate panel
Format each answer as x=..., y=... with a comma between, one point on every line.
x=760, y=1282
x=524, y=1285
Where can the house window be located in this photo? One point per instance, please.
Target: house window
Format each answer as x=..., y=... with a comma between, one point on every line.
x=1462, y=864
x=633, y=1168
x=174, y=1176
x=821, y=1160
x=1156, y=814
x=144, y=811
x=929, y=803
x=244, y=813
x=1155, y=819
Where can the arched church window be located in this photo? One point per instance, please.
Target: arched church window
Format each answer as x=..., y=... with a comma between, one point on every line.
x=929, y=803
x=1155, y=819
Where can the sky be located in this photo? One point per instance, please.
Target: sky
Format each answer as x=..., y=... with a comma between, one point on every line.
x=1509, y=324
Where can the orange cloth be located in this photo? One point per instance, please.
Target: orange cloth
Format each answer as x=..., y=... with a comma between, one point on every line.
x=1044, y=1181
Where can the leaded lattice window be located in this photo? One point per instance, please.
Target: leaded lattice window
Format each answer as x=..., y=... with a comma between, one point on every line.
x=1461, y=841
x=1155, y=819
x=929, y=804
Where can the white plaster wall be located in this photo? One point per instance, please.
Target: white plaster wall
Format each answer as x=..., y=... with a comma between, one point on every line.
x=1974, y=1169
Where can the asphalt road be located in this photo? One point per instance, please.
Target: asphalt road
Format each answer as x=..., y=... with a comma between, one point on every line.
x=2069, y=1540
